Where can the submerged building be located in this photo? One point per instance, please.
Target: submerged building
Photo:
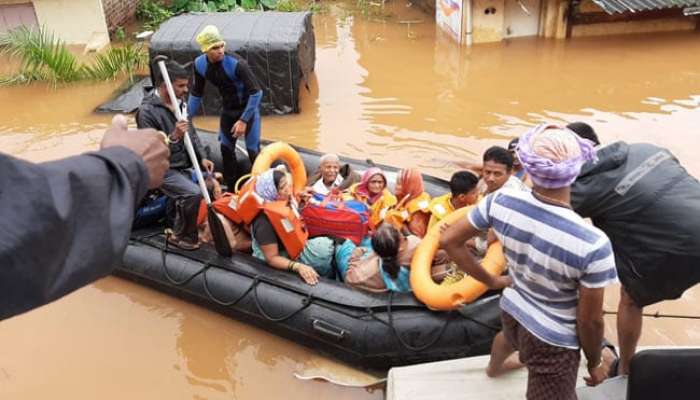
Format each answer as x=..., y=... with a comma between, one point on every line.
x=480, y=21
x=76, y=22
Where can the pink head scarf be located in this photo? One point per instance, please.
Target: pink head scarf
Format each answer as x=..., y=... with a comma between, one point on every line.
x=363, y=186
x=409, y=184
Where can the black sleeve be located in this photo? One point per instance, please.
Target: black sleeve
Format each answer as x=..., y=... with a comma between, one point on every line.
x=246, y=76
x=581, y=197
x=144, y=119
x=198, y=84
x=64, y=223
x=263, y=231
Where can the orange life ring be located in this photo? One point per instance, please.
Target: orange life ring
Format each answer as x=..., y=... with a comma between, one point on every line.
x=448, y=297
x=282, y=151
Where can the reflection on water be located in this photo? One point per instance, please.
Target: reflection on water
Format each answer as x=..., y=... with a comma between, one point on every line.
x=116, y=340
x=400, y=95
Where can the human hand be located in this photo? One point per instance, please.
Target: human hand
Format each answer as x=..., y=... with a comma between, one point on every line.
x=308, y=274
x=500, y=282
x=148, y=144
x=357, y=254
x=443, y=228
x=305, y=194
x=208, y=165
x=597, y=375
x=239, y=128
x=179, y=132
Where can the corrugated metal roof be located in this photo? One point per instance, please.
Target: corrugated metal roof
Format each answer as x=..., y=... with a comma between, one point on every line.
x=619, y=6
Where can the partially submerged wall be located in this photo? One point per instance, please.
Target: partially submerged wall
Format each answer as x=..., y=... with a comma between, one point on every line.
x=488, y=20
x=118, y=12
x=74, y=21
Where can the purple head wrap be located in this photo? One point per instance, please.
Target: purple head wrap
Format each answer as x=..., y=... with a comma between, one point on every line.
x=553, y=155
x=265, y=185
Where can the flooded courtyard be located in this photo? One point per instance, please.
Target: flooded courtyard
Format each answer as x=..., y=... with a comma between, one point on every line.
x=400, y=94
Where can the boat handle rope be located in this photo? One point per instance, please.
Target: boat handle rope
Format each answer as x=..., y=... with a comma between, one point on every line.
x=170, y=278
x=305, y=303
x=403, y=343
x=209, y=293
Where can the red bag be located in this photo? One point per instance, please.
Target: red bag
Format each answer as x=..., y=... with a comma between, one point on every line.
x=334, y=217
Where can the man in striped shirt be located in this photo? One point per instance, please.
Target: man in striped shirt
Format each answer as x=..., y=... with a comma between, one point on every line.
x=558, y=268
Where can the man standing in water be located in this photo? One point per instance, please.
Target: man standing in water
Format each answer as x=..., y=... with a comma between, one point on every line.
x=66, y=223
x=240, y=99
x=559, y=266
x=649, y=206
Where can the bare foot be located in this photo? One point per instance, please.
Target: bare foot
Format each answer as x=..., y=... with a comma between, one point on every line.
x=510, y=363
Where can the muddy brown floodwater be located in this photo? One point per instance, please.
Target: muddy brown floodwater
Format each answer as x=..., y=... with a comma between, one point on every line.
x=398, y=94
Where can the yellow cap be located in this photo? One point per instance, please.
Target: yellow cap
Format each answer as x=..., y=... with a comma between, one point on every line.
x=209, y=37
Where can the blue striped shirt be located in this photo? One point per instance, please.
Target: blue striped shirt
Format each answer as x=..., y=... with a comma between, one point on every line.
x=550, y=251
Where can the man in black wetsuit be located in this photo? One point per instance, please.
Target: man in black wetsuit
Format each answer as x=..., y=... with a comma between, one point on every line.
x=649, y=206
x=240, y=94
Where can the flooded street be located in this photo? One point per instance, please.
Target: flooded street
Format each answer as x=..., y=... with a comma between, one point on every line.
x=396, y=93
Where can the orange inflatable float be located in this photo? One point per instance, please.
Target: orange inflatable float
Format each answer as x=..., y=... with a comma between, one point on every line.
x=448, y=297
x=282, y=151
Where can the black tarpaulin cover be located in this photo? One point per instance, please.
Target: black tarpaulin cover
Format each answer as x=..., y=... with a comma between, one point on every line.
x=128, y=100
x=278, y=46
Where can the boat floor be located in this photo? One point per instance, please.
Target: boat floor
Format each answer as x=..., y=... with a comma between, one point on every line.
x=465, y=378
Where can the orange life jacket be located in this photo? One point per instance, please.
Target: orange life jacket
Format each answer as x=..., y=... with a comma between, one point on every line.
x=244, y=206
x=241, y=207
x=288, y=226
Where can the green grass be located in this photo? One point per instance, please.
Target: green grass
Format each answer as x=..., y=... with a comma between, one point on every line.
x=44, y=57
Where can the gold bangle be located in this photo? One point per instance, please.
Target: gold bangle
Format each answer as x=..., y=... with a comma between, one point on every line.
x=166, y=139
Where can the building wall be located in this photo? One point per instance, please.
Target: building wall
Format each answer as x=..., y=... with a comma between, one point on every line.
x=617, y=28
x=488, y=27
x=118, y=12
x=74, y=21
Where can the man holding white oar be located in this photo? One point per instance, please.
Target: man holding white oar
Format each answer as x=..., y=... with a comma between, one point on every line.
x=156, y=112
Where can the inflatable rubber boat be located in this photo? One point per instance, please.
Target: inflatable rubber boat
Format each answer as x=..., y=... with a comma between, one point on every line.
x=369, y=330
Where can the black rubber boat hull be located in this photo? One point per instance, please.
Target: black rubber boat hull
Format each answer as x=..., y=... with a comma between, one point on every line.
x=369, y=330
x=374, y=331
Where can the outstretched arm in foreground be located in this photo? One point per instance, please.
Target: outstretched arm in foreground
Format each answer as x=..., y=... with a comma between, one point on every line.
x=66, y=223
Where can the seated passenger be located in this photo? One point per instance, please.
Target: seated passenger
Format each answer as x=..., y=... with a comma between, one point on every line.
x=464, y=192
x=372, y=190
x=518, y=170
x=155, y=112
x=238, y=238
x=385, y=267
x=395, y=252
x=497, y=171
x=412, y=213
x=497, y=174
x=328, y=175
x=277, y=232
